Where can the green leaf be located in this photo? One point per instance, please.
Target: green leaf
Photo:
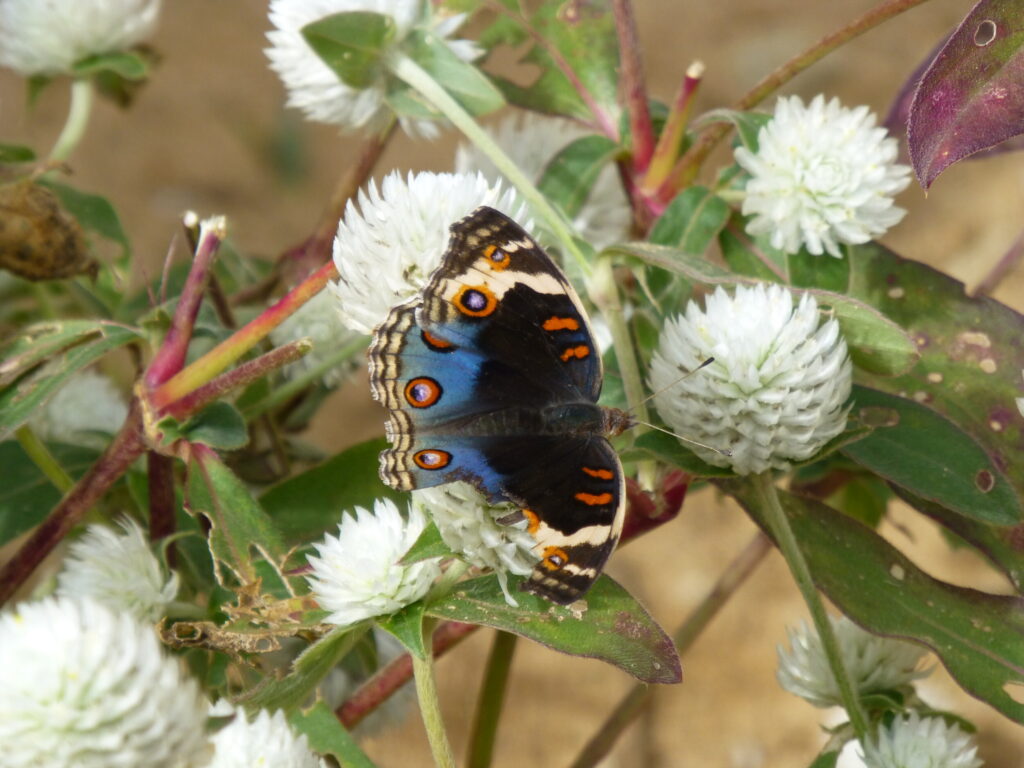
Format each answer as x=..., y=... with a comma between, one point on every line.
x=977, y=636
x=407, y=627
x=693, y=267
x=466, y=84
x=613, y=627
x=93, y=212
x=351, y=44
x=311, y=666
x=669, y=450
x=826, y=760
x=570, y=176
x=219, y=425
x=26, y=496
x=864, y=498
x=237, y=523
x=750, y=257
x=70, y=345
x=327, y=736
x=748, y=124
x=126, y=64
x=311, y=502
x=823, y=271
x=918, y=449
x=16, y=153
x=692, y=221
x=970, y=348
x=428, y=546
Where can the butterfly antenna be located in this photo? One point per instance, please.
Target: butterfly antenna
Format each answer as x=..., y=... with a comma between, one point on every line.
x=671, y=384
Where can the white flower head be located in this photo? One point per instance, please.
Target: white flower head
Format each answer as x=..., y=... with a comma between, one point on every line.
x=315, y=89
x=531, y=141
x=117, y=570
x=47, y=37
x=387, y=248
x=83, y=687
x=358, y=575
x=775, y=391
x=267, y=740
x=822, y=175
x=874, y=663
x=921, y=742
x=470, y=527
x=319, y=321
x=85, y=411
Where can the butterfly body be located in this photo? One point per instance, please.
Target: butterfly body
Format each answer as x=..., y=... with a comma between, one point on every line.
x=491, y=376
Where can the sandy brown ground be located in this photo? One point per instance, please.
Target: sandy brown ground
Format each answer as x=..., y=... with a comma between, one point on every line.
x=197, y=138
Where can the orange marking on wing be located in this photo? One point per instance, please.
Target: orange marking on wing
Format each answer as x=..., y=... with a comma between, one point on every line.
x=496, y=258
x=532, y=521
x=602, y=474
x=594, y=500
x=475, y=300
x=422, y=392
x=578, y=352
x=554, y=558
x=433, y=341
x=432, y=458
x=555, y=323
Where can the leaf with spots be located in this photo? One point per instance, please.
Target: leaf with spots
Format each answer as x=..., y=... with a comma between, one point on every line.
x=970, y=355
x=977, y=636
x=608, y=625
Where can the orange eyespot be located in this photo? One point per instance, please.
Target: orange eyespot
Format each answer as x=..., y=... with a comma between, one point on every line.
x=554, y=558
x=475, y=300
x=496, y=258
x=600, y=474
x=435, y=343
x=422, y=392
x=594, y=499
x=532, y=520
x=555, y=323
x=578, y=352
x=432, y=458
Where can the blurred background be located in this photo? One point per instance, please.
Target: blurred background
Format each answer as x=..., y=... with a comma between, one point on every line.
x=209, y=133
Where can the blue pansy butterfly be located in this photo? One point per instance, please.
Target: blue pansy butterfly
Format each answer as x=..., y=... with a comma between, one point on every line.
x=491, y=376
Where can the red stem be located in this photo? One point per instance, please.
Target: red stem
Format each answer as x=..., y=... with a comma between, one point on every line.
x=160, y=471
x=634, y=89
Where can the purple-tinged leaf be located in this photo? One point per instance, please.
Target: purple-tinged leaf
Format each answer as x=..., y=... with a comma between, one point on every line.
x=972, y=95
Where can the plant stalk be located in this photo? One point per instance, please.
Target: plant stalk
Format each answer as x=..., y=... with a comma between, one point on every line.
x=43, y=459
x=430, y=705
x=79, y=111
x=633, y=86
x=492, y=697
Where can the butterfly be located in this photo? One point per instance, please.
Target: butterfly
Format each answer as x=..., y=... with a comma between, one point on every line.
x=491, y=376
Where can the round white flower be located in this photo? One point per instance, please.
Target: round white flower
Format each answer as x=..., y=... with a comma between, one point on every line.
x=266, y=741
x=319, y=321
x=775, y=391
x=531, y=141
x=916, y=742
x=85, y=411
x=117, y=570
x=386, y=250
x=874, y=663
x=822, y=175
x=82, y=687
x=357, y=574
x=315, y=89
x=46, y=37
x=470, y=527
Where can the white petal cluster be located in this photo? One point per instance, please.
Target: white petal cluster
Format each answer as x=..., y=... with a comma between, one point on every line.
x=47, y=37
x=85, y=411
x=775, y=391
x=531, y=141
x=267, y=740
x=388, y=246
x=315, y=89
x=119, y=571
x=921, y=742
x=874, y=663
x=822, y=175
x=83, y=687
x=319, y=321
x=358, y=575
x=470, y=527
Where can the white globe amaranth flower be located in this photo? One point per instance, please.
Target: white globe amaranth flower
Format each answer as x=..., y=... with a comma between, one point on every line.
x=315, y=89
x=85, y=411
x=118, y=570
x=874, y=663
x=268, y=740
x=358, y=575
x=913, y=741
x=822, y=175
x=319, y=321
x=387, y=247
x=531, y=141
x=470, y=527
x=47, y=37
x=84, y=687
x=776, y=390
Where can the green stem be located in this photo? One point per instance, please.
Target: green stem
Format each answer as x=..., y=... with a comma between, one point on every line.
x=43, y=459
x=782, y=532
x=409, y=71
x=77, y=120
x=430, y=705
x=492, y=697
